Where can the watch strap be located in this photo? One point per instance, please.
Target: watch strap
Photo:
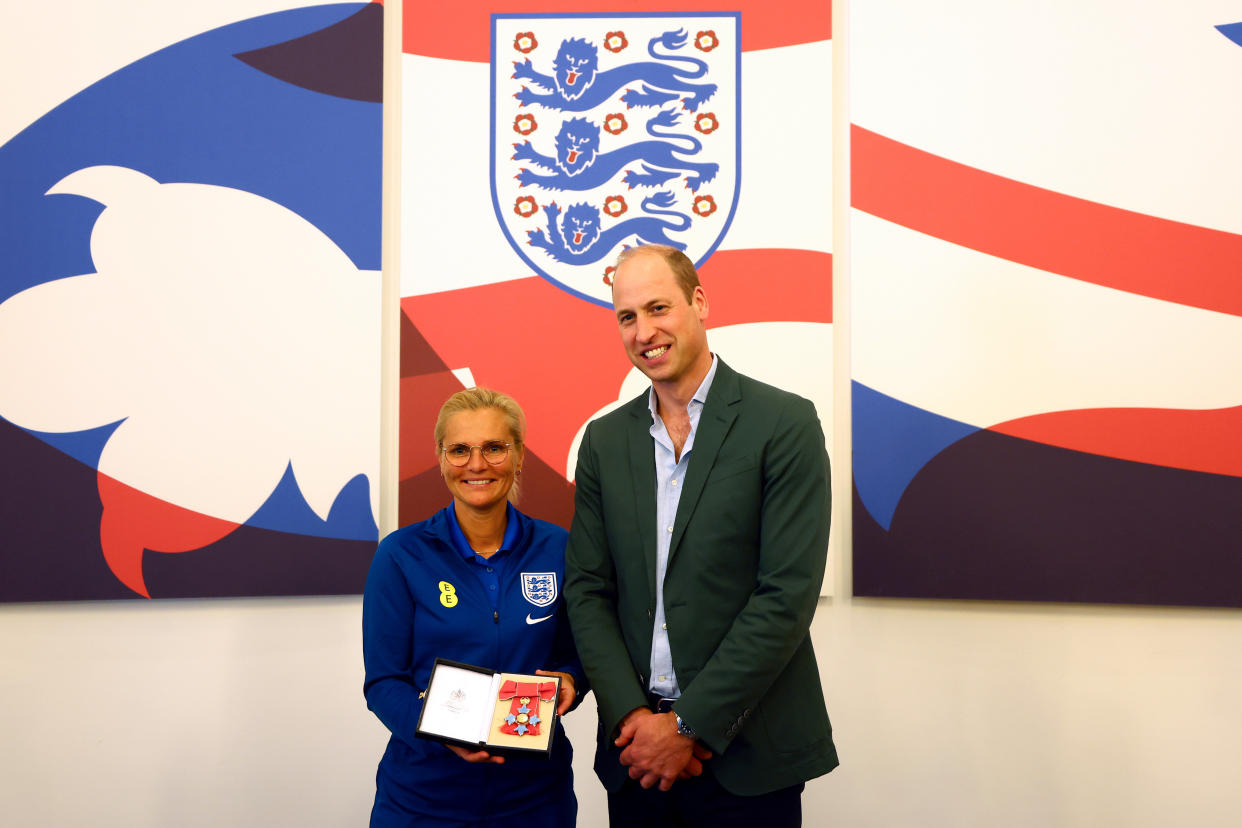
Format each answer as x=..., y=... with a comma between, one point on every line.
x=683, y=728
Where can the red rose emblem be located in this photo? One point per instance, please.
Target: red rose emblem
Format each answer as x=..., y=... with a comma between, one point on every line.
x=615, y=205
x=525, y=124
x=608, y=271
x=525, y=42
x=615, y=41
x=704, y=205
x=615, y=123
x=706, y=123
x=706, y=41
x=525, y=206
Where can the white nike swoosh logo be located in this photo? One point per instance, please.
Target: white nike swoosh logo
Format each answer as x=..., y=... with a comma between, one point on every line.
x=530, y=620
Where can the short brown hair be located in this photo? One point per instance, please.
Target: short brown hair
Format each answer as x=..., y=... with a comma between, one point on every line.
x=683, y=269
x=477, y=399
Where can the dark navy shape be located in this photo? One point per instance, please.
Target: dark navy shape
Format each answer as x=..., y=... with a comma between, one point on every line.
x=346, y=59
x=1001, y=518
x=892, y=442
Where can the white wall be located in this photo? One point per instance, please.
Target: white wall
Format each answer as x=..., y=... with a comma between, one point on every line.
x=225, y=712
x=250, y=712
x=956, y=714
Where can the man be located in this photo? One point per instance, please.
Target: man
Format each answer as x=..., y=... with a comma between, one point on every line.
x=693, y=569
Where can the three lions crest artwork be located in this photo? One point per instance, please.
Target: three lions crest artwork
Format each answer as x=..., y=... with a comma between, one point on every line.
x=610, y=131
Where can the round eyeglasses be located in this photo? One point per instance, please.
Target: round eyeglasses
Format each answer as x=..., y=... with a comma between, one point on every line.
x=493, y=452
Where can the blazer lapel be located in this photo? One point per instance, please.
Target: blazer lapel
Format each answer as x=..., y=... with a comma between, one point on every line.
x=714, y=424
x=642, y=473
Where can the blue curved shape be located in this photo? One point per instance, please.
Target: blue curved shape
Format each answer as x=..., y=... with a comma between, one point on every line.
x=1233, y=31
x=83, y=446
x=194, y=112
x=286, y=510
x=893, y=441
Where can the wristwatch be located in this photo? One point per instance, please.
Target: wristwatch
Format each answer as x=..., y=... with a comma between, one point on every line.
x=683, y=728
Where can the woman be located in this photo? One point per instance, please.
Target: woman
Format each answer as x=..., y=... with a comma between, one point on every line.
x=451, y=587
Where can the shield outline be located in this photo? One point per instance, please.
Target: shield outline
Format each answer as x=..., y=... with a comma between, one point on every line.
x=529, y=576
x=491, y=147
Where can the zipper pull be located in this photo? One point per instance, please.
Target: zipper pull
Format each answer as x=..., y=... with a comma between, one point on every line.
x=495, y=616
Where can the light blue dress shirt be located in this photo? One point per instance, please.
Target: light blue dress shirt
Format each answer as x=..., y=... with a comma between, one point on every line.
x=670, y=477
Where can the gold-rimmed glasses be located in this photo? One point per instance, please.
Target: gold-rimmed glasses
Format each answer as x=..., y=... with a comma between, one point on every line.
x=493, y=451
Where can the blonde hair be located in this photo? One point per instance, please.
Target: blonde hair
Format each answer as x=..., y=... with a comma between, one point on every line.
x=477, y=399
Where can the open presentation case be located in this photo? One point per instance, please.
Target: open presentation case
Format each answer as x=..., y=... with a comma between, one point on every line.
x=477, y=708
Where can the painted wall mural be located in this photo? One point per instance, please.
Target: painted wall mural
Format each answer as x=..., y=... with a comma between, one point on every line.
x=538, y=139
x=1046, y=279
x=189, y=313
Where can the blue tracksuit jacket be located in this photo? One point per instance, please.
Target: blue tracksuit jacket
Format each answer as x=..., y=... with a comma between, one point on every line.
x=407, y=622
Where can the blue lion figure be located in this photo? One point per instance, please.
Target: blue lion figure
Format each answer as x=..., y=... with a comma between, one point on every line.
x=578, y=240
x=577, y=85
x=578, y=164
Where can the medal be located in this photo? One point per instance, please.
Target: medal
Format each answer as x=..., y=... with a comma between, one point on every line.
x=525, y=696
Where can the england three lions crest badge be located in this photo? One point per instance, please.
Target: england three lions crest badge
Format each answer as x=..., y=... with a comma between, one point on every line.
x=539, y=588
x=610, y=131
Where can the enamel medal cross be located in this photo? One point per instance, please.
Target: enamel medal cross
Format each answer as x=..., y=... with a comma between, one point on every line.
x=524, y=698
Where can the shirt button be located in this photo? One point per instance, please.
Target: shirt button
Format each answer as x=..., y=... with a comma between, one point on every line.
x=674, y=483
x=663, y=678
x=664, y=626
x=670, y=528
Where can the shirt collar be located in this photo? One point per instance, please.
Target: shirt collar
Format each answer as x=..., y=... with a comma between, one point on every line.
x=463, y=546
x=700, y=395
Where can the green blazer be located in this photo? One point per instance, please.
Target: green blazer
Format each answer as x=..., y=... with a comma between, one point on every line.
x=745, y=567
